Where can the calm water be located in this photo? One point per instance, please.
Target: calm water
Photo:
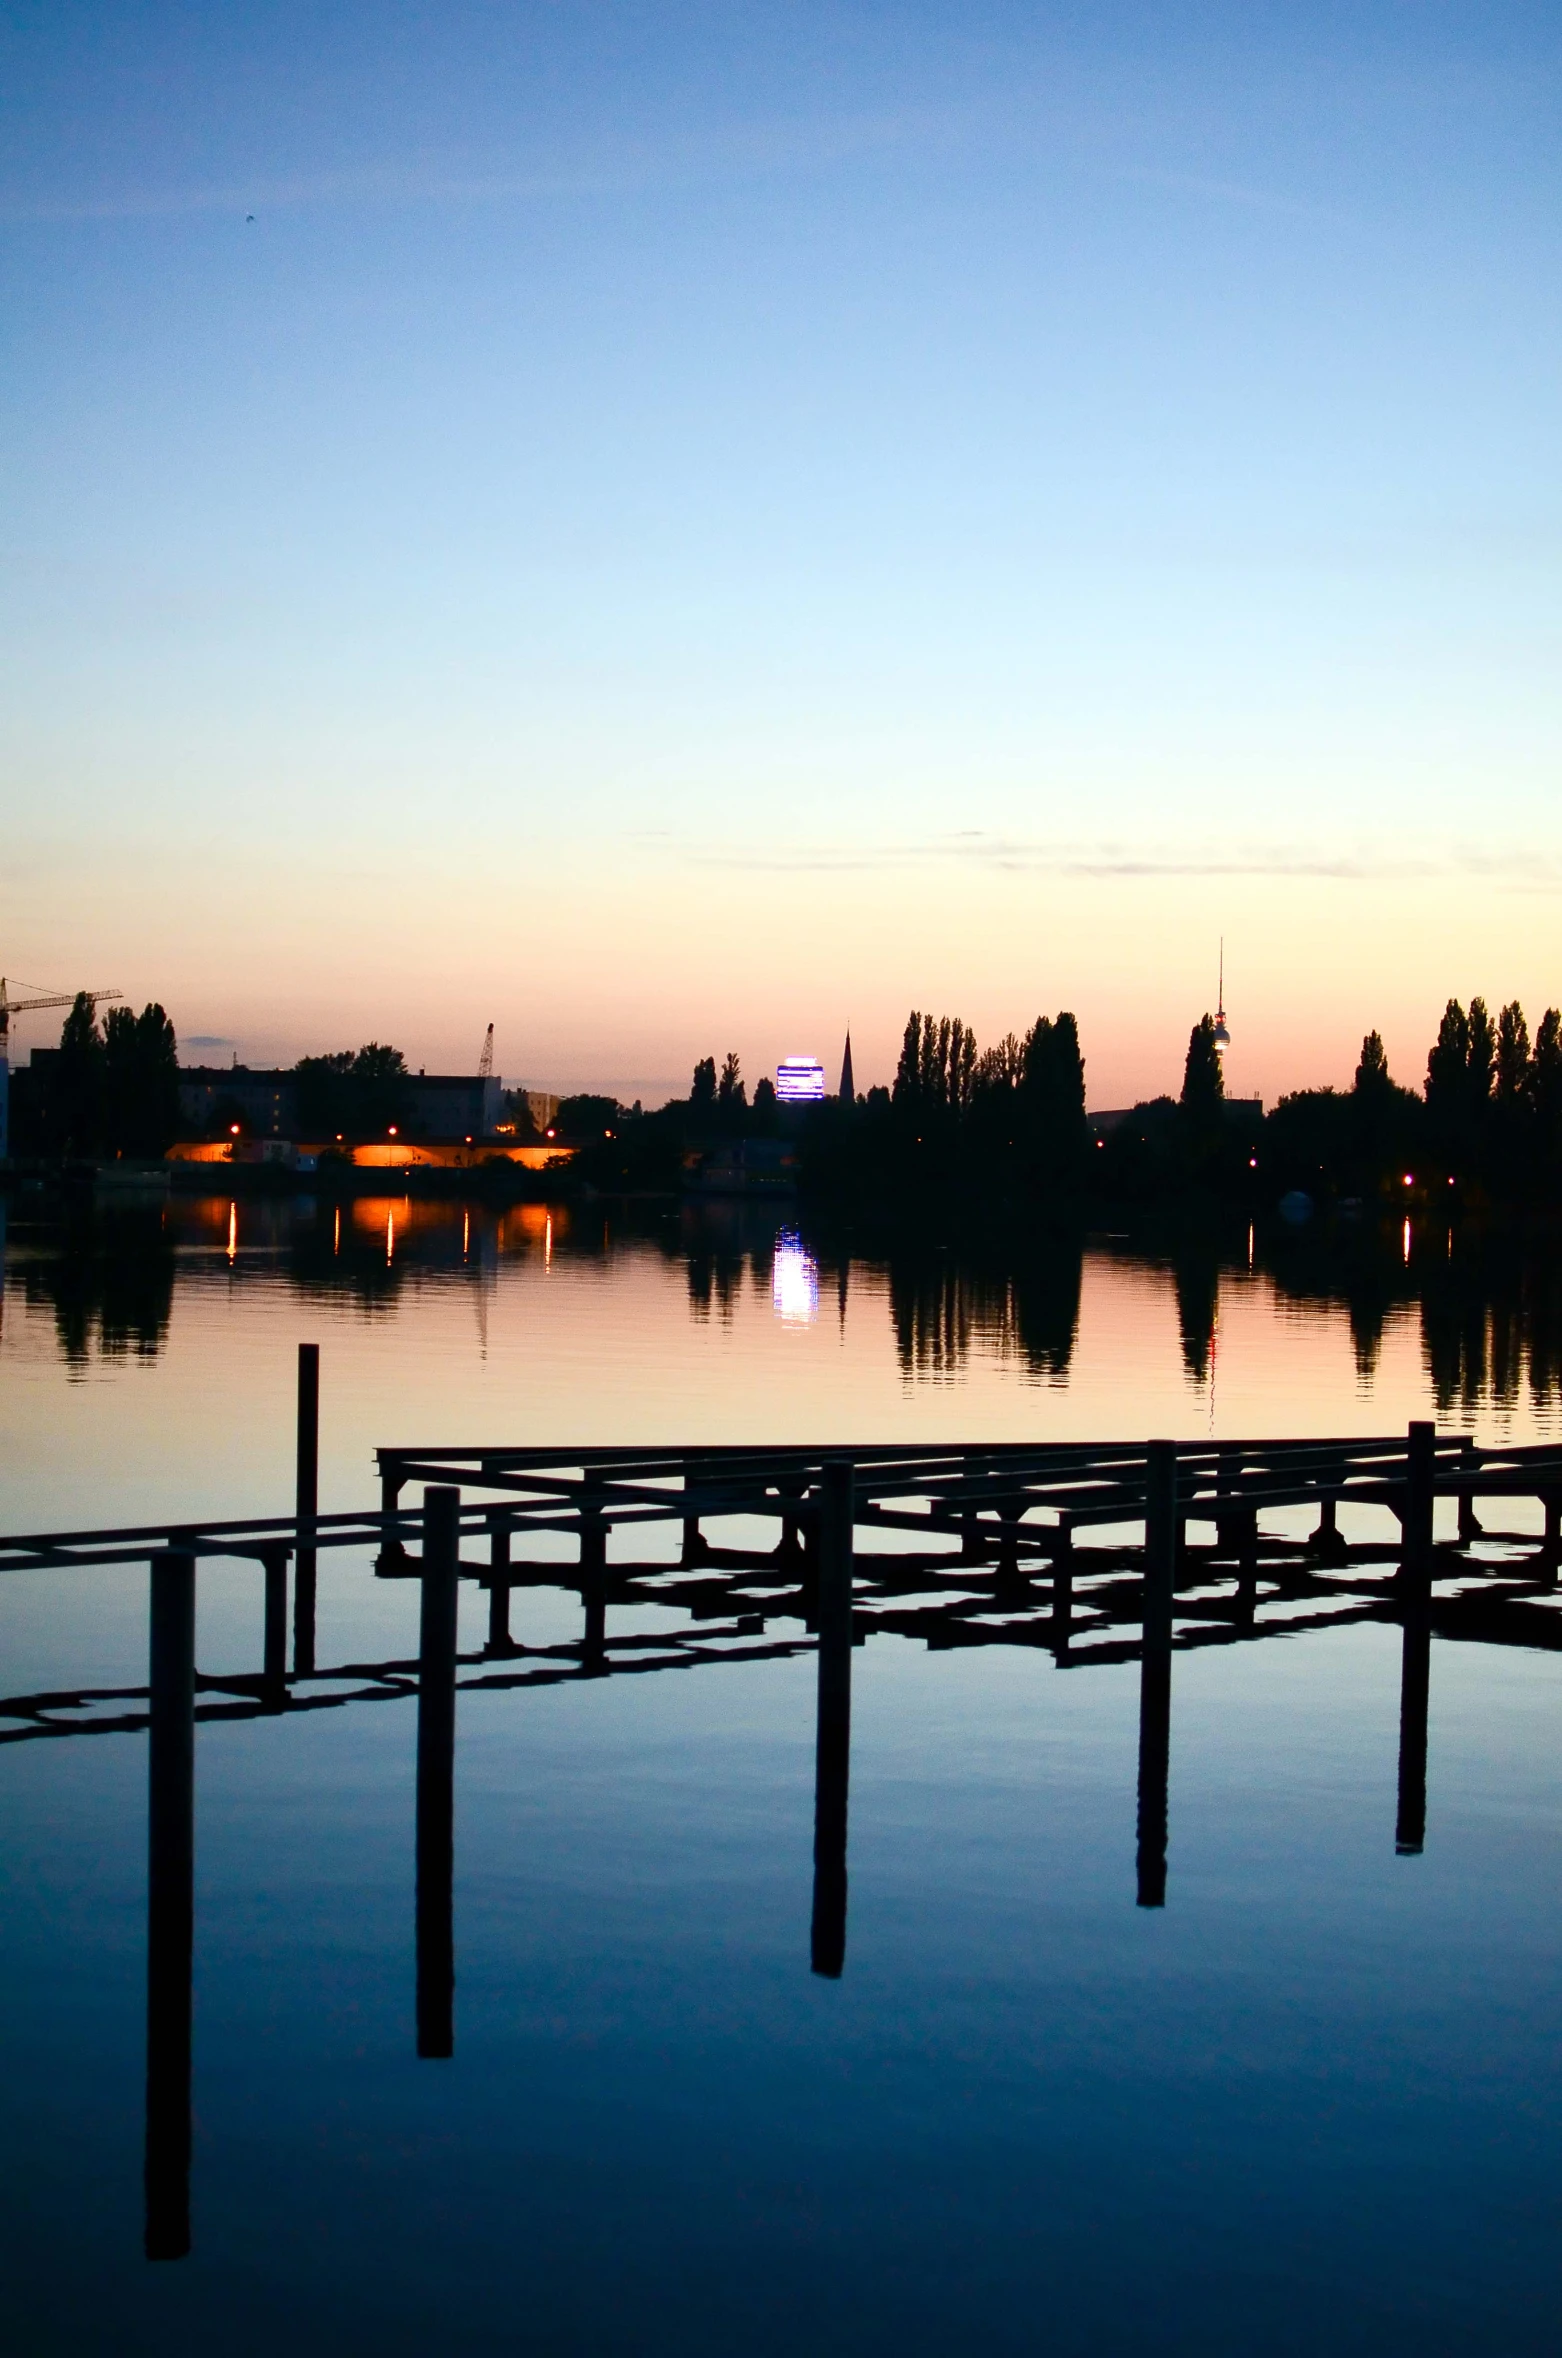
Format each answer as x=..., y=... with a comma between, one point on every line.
x=1311, y=2105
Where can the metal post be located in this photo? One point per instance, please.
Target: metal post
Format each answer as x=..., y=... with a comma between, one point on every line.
x=835, y=1515
x=1160, y=1564
x=274, y=1674
x=170, y=1903
x=436, y=1770
x=307, y=1507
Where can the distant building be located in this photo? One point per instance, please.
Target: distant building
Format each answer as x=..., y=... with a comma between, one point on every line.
x=799, y=1080
x=265, y=1100
x=848, y=1085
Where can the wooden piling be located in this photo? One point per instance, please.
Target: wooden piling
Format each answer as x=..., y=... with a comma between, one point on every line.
x=306, y=1507
x=274, y=1674
x=1414, y=1683
x=1062, y=1602
x=1161, y=1535
x=436, y=1771
x=1415, y=1569
x=170, y=1903
x=1469, y=1523
x=498, y=1582
x=835, y=1514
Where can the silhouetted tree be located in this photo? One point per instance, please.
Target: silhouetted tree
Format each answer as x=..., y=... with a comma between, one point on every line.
x=1203, y=1082
x=1372, y=1074
x=702, y=1090
x=1512, y=1066
x=730, y=1091
x=1052, y=1098
x=76, y=1082
x=140, y=1083
x=353, y=1094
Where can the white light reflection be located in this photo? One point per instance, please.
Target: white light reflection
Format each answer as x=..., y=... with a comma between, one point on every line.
x=233, y=1233
x=794, y=1282
x=1405, y=1242
x=390, y=1238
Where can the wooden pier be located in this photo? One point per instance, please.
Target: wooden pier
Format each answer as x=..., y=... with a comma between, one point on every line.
x=1109, y=1554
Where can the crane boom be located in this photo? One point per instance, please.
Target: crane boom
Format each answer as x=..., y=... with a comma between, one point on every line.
x=485, y=1063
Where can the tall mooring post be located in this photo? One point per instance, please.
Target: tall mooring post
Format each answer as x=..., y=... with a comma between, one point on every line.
x=593, y=1577
x=274, y=1674
x=835, y=1513
x=306, y=1507
x=1160, y=1571
x=1415, y=1673
x=436, y=1771
x=170, y=1903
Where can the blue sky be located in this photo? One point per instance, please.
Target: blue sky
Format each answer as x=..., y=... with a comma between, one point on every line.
x=686, y=526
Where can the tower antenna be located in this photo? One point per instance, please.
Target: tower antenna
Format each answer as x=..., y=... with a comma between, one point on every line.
x=1222, y=1036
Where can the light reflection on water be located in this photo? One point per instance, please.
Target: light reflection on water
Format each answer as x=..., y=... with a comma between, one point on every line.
x=146, y=1359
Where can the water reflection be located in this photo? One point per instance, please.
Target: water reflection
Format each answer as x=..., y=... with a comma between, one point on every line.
x=1486, y=1314
x=794, y=1281
x=1024, y=1307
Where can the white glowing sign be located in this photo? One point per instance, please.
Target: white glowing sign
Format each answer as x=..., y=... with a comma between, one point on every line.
x=794, y=1282
x=799, y=1080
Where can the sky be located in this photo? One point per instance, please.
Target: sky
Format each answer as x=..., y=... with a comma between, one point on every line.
x=670, y=528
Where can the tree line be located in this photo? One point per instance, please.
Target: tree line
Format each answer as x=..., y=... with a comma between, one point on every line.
x=109, y=1089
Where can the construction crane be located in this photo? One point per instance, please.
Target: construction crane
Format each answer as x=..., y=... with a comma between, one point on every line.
x=29, y=1006
x=485, y=1063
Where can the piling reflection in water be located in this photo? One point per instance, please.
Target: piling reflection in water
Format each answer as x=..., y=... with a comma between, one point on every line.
x=170, y=1903
x=818, y=1501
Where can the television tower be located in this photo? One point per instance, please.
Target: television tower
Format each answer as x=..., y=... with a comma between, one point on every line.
x=1222, y=1036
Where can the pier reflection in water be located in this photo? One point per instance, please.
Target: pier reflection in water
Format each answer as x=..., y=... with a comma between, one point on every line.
x=813, y=1574
x=1196, y=1961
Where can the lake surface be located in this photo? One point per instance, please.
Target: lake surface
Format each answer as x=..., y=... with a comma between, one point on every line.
x=1313, y=2103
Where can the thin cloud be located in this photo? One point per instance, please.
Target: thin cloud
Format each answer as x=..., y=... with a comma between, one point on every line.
x=1359, y=864
x=625, y=167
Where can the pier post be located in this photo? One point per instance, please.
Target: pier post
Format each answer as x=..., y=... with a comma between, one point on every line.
x=972, y=1550
x=1415, y=1581
x=832, y=1751
x=1161, y=1531
x=1469, y=1525
x=593, y=1578
x=436, y=1770
x=1008, y=1573
x=1415, y=1570
x=170, y=1903
x=1551, y=1543
x=274, y=1674
x=1415, y=1673
x=306, y=1508
x=1062, y=1602
x=1247, y=1567
x=498, y=1583
x=695, y=1545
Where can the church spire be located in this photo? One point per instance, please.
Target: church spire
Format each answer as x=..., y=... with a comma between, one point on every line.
x=848, y=1090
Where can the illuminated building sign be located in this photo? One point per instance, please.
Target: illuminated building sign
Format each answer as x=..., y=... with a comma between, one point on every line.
x=799, y=1080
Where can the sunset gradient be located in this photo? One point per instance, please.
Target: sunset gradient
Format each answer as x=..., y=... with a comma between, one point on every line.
x=676, y=528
